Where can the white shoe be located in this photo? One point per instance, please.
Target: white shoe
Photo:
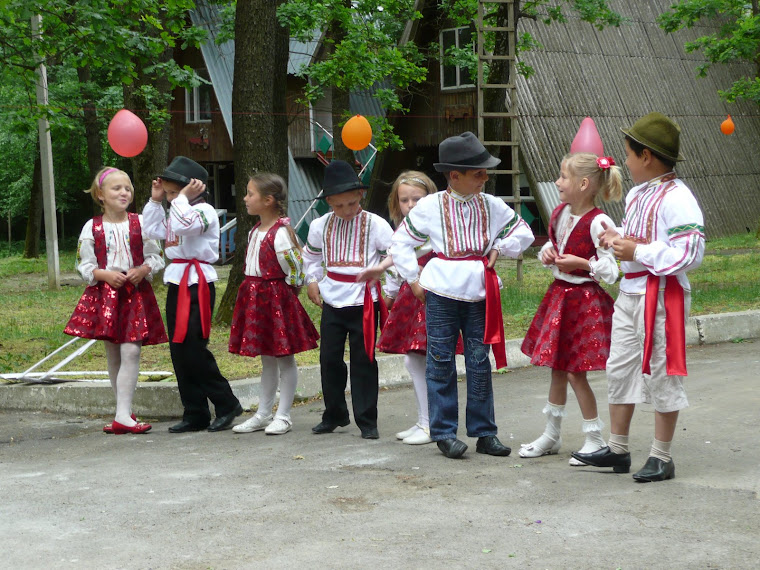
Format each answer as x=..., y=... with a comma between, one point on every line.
x=533, y=450
x=279, y=426
x=406, y=433
x=254, y=423
x=419, y=437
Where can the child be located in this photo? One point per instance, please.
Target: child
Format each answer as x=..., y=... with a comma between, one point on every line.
x=191, y=231
x=269, y=319
x=661, y=238
x=467, y=231
x=404, y=331
x=118, y=307
x=346, y=240
x=571, y=329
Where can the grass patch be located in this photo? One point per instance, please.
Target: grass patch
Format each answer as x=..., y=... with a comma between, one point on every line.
x=33, y=317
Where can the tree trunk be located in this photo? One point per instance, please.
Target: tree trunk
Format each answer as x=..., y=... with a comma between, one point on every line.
x=341, y=101
x=259, y=129
x=91, y=130
x=34, y=220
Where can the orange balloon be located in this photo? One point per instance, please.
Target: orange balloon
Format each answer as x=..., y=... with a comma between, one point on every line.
x=356, y=133
x=727, y=126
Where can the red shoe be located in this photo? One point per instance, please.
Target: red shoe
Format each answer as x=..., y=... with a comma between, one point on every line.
x=120, y=429
x=108, y=428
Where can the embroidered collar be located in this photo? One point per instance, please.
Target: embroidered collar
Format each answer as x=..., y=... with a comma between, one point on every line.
x=459, y=197
x=660, y=179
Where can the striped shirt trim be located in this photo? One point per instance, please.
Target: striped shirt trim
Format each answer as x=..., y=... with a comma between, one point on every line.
x=686, y=228
x=510, y=227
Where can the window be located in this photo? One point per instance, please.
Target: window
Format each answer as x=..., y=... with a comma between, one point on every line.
x=453, y=76
x=198, y=100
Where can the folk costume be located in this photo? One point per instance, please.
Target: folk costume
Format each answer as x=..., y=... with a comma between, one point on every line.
x=191, y=232
x=335, y=252
x=462, y=230
x=129, y=313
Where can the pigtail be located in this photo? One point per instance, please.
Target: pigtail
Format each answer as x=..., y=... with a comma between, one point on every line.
x=611, y=189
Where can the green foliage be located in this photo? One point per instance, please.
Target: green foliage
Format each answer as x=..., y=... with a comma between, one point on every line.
x=736, y=39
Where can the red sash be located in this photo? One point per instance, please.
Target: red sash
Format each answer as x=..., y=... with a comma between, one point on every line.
x=675, y=329
x=368, y=316
x=494, y=333
x=183, y=301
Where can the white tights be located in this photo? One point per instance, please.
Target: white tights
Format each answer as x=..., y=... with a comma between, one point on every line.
x=123, y=369
x=284, y=369
x=415, y=364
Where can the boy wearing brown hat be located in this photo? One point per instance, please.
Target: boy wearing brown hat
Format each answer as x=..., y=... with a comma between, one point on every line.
x=191, y=231
x=341, y=244
x=468, y=230
x=662, y=238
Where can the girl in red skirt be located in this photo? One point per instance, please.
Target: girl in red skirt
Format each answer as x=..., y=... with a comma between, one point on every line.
x=118, y=307
x=571, y=329
x=269, y=320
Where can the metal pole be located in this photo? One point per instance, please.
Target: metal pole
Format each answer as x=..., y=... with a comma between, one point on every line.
x=48, y=185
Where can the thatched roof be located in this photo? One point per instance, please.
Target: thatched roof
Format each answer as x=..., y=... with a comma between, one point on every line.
x=620, y=74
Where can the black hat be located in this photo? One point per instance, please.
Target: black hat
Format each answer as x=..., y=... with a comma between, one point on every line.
x=464, y=152
x=182, y=169
x=340, y=177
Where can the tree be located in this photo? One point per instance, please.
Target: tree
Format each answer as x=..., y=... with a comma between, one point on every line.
x=260, y=130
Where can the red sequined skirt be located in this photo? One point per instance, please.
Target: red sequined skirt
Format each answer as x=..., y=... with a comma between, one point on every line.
x=270, y=320
x=126, y=314
x=571, y=328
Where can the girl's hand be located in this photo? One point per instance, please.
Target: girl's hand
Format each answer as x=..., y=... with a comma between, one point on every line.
x=137, y=274
x=114, y=278
x=370, y=274
x=157, y=193
x=492, y=255
x=567, y=263
x=608, y=236
x=549, y=256
x=312, y=290
x=193, y=189
x=418, y=291
x=389, y=302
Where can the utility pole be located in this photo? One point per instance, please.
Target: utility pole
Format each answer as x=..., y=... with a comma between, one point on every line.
x=48, y=185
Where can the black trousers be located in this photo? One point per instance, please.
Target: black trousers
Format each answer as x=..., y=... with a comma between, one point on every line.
x=198, y=376
x=335, y=326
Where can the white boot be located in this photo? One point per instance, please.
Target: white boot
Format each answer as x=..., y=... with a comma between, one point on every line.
x=550, y=441
x=594, y=440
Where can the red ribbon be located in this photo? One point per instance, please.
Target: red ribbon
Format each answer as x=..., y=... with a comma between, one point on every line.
x=368, y=316
x=494, y=329
x=183, y=301
x=675, y=329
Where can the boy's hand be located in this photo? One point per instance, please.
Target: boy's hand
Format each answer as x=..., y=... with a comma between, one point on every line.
x=492, y=255
x=549, y=256
x=624, y=249
x=157, y=190
x=137, y=274
x=389, y=302
x=567, y=263
x=114, y=278
x=608, y=236
x=418, y=291
x=193, y=189
x=370, y=274
x=312, y=290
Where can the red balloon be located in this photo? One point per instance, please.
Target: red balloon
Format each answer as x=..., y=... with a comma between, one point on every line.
x=127, y=134
x=587, y=139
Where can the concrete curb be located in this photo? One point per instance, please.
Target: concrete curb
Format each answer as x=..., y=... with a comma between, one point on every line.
x=161, y=400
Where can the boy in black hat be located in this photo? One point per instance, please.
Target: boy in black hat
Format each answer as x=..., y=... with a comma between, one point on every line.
x=468, y=231
x=341, y=244
x=191, y=231
x=661, y=238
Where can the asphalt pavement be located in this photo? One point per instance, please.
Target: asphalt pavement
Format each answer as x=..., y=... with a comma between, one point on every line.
x=74, y=497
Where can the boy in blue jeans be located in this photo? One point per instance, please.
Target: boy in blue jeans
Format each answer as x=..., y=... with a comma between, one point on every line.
x=468, y=231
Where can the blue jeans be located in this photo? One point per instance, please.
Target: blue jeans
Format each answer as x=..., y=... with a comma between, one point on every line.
x=445, y=319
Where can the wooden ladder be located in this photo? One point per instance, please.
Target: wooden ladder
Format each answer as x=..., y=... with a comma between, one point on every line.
x=504, y=54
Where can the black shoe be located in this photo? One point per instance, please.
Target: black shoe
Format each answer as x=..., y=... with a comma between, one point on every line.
x=185, y=426
x=655, y=470
x=225, y=421
x=491, y=445
x=620, y=462
x=370, y=433
x=328, y=427
x=452, y=448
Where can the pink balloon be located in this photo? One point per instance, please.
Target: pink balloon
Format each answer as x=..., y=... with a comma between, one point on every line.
x=587, y=139
x=127, y=134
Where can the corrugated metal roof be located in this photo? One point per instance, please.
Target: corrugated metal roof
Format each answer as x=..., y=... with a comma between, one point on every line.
x=620, y=74
x=304, y=184
x=302, y=53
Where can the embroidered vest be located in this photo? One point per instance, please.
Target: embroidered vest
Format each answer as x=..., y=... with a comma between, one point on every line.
x=135, y=240
x=579, y=242
x=268, y=264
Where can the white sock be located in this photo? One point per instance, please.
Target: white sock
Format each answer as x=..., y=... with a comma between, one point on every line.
x=269, y=376
x=661, y=450
x=288, y=383
x=618, y=443
x=113, y=358
x=415, y=365
x=593, y=431
x=554, y=415
x=126, y=381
